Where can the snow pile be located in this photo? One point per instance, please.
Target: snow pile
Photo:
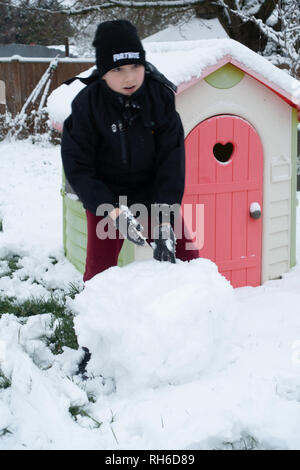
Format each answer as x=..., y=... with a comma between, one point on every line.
x=151, y=324
x=196, y=364
x=34, y=410
x=31, y=216
x=182, y=61
x=62, y=47
x=30, y=200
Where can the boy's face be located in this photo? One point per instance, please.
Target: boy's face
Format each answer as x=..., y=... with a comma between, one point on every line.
x=125, y=79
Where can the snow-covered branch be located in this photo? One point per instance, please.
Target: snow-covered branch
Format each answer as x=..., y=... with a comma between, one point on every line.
x=286, y=39
x=74, y=11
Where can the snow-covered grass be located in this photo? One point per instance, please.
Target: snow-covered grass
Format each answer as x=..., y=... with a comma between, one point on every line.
x=180, y=360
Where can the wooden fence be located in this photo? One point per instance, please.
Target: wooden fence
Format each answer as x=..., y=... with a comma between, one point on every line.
x=2, y=97
x=21, y=75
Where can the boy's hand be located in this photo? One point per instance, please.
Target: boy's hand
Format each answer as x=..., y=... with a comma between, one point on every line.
x=127, y=224
x=164, y=244
x=114, y=213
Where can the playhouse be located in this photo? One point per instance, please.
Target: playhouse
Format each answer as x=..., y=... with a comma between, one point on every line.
x=240, y=117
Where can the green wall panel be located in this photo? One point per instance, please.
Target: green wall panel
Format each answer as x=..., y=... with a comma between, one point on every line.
x=75, y=235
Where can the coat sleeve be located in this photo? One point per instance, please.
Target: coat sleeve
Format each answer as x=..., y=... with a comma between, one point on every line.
x=170, y=157
x=78, y=151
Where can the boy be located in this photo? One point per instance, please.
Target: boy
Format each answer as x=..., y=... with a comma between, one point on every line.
x=124, y=139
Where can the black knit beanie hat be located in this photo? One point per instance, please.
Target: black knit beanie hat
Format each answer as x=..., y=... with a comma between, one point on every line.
x=117, y=43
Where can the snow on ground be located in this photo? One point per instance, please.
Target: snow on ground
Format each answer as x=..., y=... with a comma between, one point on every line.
x=30, y=209
x=180, y=360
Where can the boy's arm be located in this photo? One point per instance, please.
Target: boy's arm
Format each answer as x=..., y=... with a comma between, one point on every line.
x=170, y=157
x=78, y=150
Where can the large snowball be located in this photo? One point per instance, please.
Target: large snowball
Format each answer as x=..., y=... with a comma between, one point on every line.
x=152, y=323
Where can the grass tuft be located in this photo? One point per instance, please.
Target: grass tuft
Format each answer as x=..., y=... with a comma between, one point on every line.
x=4, y=431
x=246, y=442
x=7, y=305
x=79, y=411
x=32, y=306
x=13, y=262
x=64, y=333
x=74, y=289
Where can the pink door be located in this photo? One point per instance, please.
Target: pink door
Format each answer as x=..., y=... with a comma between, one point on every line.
x=224, y=177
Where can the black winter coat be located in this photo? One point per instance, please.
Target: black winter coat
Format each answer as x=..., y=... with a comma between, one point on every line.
x=115, y=145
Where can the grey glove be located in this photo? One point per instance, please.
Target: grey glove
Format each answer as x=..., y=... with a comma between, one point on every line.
x=129, y=227
x=164, y=244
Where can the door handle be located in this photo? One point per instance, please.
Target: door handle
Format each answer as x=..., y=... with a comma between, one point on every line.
x=255, y=210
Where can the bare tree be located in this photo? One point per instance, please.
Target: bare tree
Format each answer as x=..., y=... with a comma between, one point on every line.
x=25, y=25
x=232, y=14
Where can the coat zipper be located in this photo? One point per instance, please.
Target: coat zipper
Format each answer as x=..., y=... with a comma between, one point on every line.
x=124, y=149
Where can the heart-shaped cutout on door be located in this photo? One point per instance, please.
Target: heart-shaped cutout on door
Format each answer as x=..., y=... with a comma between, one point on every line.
x=223, y=152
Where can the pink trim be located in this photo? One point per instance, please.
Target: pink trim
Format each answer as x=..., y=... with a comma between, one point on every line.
x=212, y=68
x=57, y=126
x=228, y=59
x=272, y=86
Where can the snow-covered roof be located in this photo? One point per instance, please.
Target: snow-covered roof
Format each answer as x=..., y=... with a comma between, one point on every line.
x=185, y=62
x=72, y=49
x=194, y=29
